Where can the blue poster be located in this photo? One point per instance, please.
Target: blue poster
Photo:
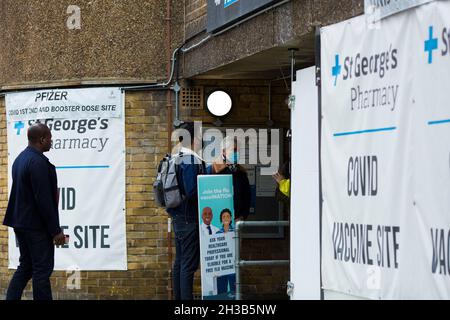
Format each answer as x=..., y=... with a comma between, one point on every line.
x=216, y=221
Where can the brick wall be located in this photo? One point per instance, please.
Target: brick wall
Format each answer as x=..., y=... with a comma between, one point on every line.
x=4, y=277
x=146, y=143
x=250, y=102
x=250, y=108
x=146, y=278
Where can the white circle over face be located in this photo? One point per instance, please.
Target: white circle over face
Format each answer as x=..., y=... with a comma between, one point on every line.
x=219, y=103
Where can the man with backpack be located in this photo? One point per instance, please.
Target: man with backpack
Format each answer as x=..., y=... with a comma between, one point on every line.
x=177, y=192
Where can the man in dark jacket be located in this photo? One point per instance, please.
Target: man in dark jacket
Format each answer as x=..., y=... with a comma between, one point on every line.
x=185, y=217
x=33, y=213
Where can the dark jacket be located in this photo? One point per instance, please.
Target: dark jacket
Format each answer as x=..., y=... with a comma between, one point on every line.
x=241, y=190
x=188, y=170
x=33, y=203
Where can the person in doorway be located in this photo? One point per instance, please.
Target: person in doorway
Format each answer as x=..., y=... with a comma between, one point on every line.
x=185, y=216
x=33, y=213
x=283, y=179
x=227, y=163
x=206, y=227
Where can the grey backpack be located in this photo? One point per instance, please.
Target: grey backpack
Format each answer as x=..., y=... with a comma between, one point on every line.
x=167, y=190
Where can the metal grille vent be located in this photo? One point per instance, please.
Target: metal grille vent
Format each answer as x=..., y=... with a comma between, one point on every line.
x=192, y=98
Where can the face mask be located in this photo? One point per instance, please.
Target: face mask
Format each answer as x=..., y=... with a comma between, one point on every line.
x=233, y=157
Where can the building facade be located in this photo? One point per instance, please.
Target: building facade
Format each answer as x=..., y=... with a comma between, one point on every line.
x=130, y=43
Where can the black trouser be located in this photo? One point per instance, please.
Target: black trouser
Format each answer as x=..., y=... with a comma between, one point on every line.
x=37, y=253
x=187, y=257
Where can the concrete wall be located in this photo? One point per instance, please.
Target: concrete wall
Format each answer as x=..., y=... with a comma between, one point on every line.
x=290, y=23
x=119, y=41
x=124, y=41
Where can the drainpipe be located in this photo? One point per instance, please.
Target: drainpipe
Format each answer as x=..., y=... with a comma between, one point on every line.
x=291, y=105
x=270, y=121
x=170, y=65
x=176, y=89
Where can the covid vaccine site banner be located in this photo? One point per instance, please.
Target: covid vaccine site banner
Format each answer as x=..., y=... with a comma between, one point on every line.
x=217, y=231
x=88, y=150
x=386, y=155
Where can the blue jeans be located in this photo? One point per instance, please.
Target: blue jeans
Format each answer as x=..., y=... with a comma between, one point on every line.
x=187, y=258
x=37, y=254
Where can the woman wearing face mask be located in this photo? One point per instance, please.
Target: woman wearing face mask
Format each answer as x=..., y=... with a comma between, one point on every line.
x=227, y=163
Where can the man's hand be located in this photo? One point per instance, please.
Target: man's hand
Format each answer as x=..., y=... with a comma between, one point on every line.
x=59, y=239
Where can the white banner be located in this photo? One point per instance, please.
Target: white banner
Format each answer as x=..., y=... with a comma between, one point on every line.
x=65, y=103
x=386, y=156
x=89, y=155
x=381, y=9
